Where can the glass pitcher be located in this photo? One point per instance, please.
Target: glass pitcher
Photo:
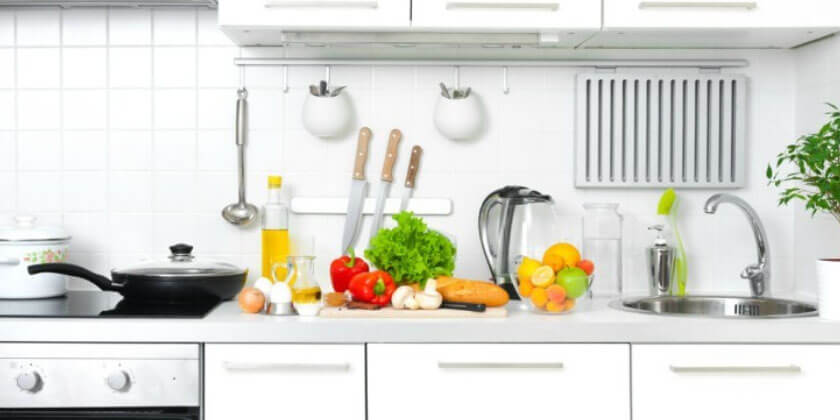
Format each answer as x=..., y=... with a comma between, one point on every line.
x=301, y=279
x=602, y=244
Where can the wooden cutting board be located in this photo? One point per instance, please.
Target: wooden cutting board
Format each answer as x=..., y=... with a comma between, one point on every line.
x=389, y=312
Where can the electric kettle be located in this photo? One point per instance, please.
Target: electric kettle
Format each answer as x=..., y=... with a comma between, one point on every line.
x=515, y=222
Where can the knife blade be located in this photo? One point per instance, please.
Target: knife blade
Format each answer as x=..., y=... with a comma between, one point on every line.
x=386, y=180
x=358, y=191
x=411, y=176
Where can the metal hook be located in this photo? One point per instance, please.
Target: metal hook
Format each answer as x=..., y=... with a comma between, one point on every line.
x=327, y=74
x=457, y=77
x=505, y=86
x=285, y=79
x=242, y=77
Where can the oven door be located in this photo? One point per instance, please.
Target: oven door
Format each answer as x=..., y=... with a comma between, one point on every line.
x=144, y=413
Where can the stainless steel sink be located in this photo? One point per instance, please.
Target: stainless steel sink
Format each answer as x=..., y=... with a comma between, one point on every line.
x=717, y=306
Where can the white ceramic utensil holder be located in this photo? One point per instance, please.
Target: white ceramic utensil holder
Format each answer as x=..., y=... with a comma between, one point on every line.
x=828, y=288
x=327, y=116
x=458, y=119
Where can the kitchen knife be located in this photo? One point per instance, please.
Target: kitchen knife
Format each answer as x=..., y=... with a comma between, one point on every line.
x=358, y=191
x=386, y=180
x=411, y=176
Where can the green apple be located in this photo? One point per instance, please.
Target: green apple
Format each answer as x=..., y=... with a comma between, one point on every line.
x=574, y=280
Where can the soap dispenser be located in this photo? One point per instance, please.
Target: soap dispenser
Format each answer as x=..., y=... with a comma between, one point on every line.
x=660, y=259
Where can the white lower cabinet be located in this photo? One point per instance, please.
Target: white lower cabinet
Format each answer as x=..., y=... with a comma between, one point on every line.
x=705, y=382
x=498, y=381
x=289, y=381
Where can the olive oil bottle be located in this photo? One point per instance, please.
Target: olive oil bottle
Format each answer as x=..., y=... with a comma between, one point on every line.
x=275, y=232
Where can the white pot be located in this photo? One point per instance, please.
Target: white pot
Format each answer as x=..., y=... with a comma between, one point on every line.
x=326, y=116
x=24, y=244
x=458, y=119
x=828, y=288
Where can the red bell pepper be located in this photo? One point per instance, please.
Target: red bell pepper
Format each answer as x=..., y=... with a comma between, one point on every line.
x=344, y=268
x=375, y=287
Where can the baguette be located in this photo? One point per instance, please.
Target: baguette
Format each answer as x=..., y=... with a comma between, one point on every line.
x=471, y=291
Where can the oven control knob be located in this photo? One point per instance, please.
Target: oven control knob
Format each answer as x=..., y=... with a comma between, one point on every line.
x=118, y=380
x=29, y=381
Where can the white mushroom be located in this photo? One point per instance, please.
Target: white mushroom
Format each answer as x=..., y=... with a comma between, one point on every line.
x=411, y=303
x=429, y=298
x=399, y=299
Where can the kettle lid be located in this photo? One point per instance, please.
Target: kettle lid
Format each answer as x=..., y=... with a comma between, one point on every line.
x=521, y=195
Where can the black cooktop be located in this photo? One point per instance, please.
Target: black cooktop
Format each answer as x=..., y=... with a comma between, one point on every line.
x=95, y=304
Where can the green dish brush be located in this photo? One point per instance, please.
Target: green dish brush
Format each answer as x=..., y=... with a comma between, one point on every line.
x=668, y=204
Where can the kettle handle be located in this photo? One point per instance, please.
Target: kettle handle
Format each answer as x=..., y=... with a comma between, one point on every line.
x=483, y=221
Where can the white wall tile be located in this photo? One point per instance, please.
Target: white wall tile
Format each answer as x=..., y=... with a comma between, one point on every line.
x=39, y=191
x=7, y=68
x=130, y=191
x=85, y=150
x=130, y=109
x=175, y=26
x=216, y=150
x=7, y=27
x=8, y=186
x=42, y=68
x=173, y=192
x=85, y=109
x=84, y=67
x=130, y=150
x=7, y=145
x=216, y=68
x=84, y=26
x=39, y=150
x=7, y=110
x=174, y=150
x=130, y=67
x=39, y=109
x=174, y=108
x=208, y=29
x=174, y=67
x=216, y=108
x=131, y=232
x=130, y=26
x=89, y=232
x=38, y=26
x=171, y=229
x=84, y=191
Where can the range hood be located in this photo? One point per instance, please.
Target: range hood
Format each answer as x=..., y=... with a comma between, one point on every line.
x=101, y=3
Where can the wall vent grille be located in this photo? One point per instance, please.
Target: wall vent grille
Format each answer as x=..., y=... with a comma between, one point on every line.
x=635, y=131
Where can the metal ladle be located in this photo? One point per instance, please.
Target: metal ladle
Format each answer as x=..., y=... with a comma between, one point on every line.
x=241, y=213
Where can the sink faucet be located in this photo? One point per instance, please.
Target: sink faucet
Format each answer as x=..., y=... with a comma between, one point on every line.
x=758, y=274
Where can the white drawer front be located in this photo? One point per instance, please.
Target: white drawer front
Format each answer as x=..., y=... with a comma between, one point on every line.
x=325, y=15
x=499, y=381
x=720, y=14
x=507, y=15
x=255, y=381
x=735, y=381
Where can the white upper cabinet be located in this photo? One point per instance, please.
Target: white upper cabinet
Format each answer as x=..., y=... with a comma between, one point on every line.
x=716, y=24
x=702, y=382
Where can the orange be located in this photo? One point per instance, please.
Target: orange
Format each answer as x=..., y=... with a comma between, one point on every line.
x=525, y=287
x=542, y=276
x=556, y=294
x=567, y=251
x=539, y=297
x=555, y=261
x=554, y=307
x=570, y=303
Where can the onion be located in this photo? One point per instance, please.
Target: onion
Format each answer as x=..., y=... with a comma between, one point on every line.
x=251, y=300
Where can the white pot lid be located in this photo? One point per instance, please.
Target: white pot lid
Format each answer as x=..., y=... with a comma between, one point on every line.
x=25, y=229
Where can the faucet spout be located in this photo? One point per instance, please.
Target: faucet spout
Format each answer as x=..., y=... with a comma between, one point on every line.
x=758, y=274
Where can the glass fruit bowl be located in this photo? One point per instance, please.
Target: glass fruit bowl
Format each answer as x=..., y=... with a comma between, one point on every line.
x=551, y=287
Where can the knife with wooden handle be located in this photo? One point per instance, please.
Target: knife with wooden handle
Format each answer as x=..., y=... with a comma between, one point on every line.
x=358, y=191
x=386, y=180
x=411, y=176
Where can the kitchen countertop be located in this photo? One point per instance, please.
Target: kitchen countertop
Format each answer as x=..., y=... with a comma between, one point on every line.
x=600, y=323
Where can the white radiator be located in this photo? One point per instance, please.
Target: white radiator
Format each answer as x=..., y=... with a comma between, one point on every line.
x=635, y=131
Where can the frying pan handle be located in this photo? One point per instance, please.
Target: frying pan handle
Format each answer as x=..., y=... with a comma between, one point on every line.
x=101, y=282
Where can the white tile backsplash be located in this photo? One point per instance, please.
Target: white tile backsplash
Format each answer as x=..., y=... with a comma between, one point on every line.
x=120, y=123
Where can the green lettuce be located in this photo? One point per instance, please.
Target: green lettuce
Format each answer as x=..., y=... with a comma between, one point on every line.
x=411, y=252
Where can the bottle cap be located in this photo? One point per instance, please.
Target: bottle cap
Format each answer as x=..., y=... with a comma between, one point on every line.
x=275, y=181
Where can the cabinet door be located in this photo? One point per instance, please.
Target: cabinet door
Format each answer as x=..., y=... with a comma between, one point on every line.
x=702, y=382
x=652, y=14
x=498, y=381
x=326, y=15
x=506, y=15
x=255, y=381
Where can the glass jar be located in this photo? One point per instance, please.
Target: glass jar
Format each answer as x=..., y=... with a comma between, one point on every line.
x=306, y=292
x=602, y=245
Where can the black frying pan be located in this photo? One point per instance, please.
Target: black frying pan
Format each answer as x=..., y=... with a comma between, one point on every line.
x=178, y=280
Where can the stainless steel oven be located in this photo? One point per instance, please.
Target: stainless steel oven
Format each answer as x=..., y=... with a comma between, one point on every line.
x=100, y=381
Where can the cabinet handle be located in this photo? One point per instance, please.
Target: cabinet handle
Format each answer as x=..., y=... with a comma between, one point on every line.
x=287, y=366
x=533, y=5
x=793, y=369
x=500, y=365
x=331, y=4
x=749, y=5
x=9, y=261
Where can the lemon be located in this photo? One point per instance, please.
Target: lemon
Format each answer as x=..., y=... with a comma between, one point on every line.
x=542, y=276
x=569, y=254
x=527, y=268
